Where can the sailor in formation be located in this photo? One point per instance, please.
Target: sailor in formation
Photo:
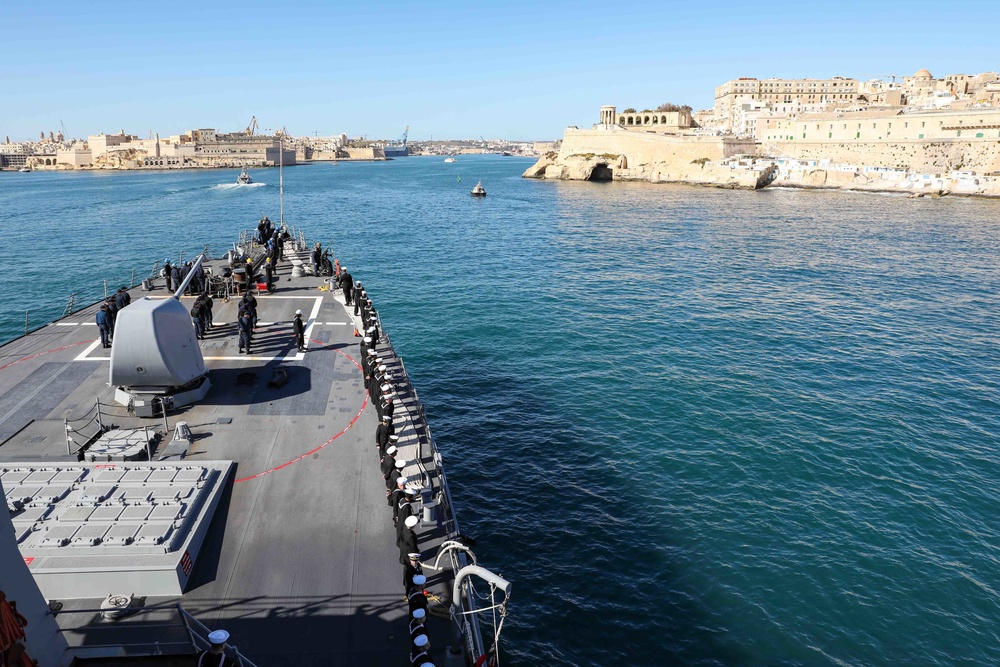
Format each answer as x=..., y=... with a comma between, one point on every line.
x=300, y=331
x=346, y=283
x=391, y=464
x=104, y=325
x=216, y=656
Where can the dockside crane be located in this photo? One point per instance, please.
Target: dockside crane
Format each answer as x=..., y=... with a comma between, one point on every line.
x=406, y=132
x=886, y=76
x=252, y=127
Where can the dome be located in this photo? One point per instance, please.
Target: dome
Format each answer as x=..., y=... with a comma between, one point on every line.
x=923, y=74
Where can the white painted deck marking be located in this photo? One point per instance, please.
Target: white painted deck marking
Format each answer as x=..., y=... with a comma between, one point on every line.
x=298, y=356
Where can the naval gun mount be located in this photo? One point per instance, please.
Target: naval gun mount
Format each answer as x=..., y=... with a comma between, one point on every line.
x=156, y=362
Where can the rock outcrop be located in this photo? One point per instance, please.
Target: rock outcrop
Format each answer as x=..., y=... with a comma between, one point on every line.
x=606, y=154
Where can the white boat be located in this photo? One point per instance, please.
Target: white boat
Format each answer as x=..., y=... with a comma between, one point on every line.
x=449, y=159
x=478, y=191
x=244, y=178
x=26, y=168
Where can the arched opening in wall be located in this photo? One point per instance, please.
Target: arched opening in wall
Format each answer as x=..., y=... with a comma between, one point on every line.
x=630, y=120
x=663, y=119
x=600, y=173
x=645, y=121
x=621, y=121
x=48, y=162
x=656, y=120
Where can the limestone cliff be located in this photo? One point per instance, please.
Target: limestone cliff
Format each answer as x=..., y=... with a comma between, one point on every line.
x=608, y=153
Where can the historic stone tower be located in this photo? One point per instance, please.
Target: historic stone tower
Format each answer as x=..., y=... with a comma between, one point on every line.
x=609, y=114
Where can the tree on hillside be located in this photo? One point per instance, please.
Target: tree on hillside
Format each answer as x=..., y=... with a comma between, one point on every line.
x=629, y=110
x=667, y=106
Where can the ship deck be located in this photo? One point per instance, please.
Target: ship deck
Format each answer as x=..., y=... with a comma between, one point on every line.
x=300, y=562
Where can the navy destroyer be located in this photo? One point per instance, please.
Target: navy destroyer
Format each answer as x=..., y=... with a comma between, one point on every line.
x=168, y=486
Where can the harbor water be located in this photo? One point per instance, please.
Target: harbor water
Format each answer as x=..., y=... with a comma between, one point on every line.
x=693, y=426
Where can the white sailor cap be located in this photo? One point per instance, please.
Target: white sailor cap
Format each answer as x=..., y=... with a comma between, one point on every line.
x=410, y=522
x=391, y=449
x=372, y=352
x=383, y=368
x=218, y=637
x=343, y=268
x=400, y=464
x=394, y=437
x=427, y=664
x=298, y=312
x=367, y=339
x=386, y=387
x=402, y=481
x=419, y=612
x=419, y=579
x=410, y=493
x=386, y=418
x=413, y=555
x=371, y=328
x=420, y=641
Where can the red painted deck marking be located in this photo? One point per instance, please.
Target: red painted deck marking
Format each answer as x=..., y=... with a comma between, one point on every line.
x=344, y=430
x=38, y=354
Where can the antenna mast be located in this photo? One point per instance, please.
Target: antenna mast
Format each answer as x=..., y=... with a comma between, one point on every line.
x=281, y=181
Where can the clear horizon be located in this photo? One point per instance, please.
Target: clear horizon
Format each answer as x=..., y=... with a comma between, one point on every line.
x=514, y=70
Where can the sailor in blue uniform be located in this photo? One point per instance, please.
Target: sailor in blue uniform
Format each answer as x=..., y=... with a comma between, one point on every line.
x=104, y=325
x=245, y=326
x=420, y=652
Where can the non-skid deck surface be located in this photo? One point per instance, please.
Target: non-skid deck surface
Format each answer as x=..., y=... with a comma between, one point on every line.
x=300, y=562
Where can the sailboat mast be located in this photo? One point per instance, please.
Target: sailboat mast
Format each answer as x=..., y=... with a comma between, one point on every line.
x=281, y=182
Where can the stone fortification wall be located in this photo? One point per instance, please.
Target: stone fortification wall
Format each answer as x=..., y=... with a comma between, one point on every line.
x=919, y=156
x=607, y=152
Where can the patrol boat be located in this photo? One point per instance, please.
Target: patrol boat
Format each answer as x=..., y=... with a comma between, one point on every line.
x=244, y=178
x=478, y=190
x=165, y=489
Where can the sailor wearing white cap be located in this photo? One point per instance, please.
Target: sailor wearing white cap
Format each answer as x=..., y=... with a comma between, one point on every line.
x=393, y=496
x=215, y=656
x=395, y=474
x=387, y=406
x=347, y=284
x=382, y=433
x=408, y=540
x=411, y=568
x=402, y=512
x=357, y=295
x=300, y=329
x=420, y=653
x=388, y=463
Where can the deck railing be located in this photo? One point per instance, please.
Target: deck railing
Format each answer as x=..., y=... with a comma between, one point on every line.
x=184, y=636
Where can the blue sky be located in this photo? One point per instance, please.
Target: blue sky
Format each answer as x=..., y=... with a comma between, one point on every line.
x=518, y=70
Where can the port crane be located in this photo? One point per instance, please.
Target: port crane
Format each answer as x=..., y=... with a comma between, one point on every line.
x=886, y=76
x=252, y=127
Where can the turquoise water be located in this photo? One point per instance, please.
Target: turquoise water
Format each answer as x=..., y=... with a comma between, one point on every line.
x=693, y=426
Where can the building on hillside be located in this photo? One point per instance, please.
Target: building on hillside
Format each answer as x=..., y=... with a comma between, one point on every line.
x=908, y=139
x=782, y=96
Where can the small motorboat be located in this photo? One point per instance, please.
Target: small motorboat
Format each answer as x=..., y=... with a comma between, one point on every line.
x=478, y=191
x=244, y=178
x=25, y=169
x=449, y=159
